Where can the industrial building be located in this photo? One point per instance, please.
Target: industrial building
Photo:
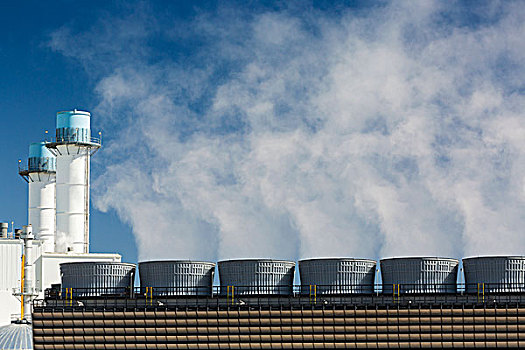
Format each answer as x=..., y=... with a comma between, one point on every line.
x=280, y=327
x=61, y=296
x=338, y=304
x=57, y=173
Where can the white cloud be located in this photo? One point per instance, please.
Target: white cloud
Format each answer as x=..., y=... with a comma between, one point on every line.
x=385, y=132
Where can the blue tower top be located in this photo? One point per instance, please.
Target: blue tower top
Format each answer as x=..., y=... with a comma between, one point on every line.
x=73, y=127
x=40, y=158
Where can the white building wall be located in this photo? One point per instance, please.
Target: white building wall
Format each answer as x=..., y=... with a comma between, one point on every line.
x=10, y=261
x=10, y=275
x=10, y=308
x=47, y=272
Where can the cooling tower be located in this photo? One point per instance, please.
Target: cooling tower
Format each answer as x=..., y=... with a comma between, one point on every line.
x=337, y=276
x=97, y=278
x=419, y=275
x=256, y=276
x=489, y=274
x=177, y=277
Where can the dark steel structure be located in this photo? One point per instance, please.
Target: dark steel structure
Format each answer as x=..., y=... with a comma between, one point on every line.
x=282, y=322
x=424, y=313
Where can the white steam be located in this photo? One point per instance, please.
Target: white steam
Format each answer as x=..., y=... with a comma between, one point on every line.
x=397, y=130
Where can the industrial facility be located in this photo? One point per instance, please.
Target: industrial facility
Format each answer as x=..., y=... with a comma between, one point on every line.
x=57, y=173
x=338, y=303
x=56, y=294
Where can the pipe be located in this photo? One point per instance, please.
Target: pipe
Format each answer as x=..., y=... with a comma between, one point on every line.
x=28, y=285
x=22, y=284
x=86, y=207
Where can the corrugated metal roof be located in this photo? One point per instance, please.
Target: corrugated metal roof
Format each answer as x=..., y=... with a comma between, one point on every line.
x=16, y=336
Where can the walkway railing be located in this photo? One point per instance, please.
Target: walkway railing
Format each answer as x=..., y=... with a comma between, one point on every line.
x=280, y=296
x=76, y=139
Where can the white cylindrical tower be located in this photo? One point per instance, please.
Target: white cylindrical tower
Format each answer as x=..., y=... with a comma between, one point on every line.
x=40, y=175
x=73, y=148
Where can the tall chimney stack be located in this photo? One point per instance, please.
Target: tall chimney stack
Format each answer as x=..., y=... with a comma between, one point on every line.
x=40, y=175
x=73, y=148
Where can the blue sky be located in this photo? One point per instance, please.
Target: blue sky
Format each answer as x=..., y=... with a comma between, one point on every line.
x=279, y=129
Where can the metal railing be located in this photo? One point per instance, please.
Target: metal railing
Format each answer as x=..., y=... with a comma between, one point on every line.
x=24, y=168
x=296, y=290
x=298, y=296
x=77, y=139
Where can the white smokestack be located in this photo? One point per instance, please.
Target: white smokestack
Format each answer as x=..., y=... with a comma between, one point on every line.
x=40, y=174
x=73, y=149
